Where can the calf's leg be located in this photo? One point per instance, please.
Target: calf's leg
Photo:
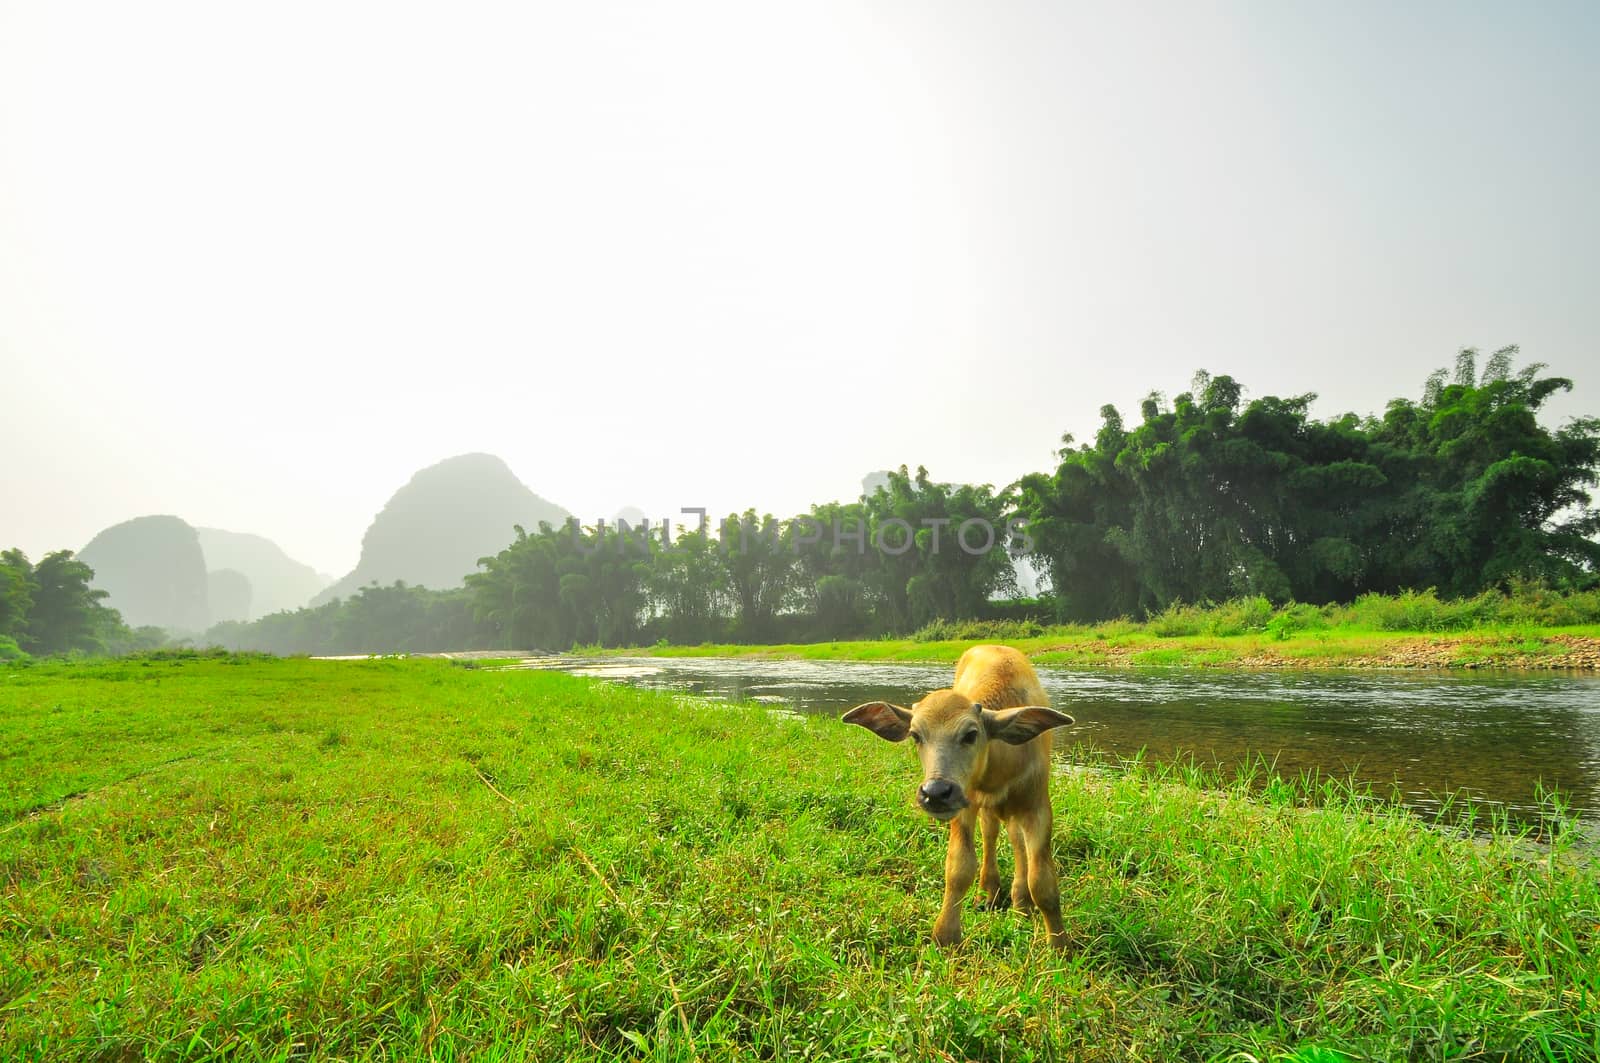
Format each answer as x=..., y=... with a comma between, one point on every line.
x=960, y=867
x=1036, y=828
x=1021, y=896
x=989, y=876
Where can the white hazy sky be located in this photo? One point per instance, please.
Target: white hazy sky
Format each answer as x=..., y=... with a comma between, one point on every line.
x=259, y=262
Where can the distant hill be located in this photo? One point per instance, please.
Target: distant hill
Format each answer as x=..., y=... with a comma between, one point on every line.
x=277, y=581
x=229, y=594
x=434, y=529
x=155, y=572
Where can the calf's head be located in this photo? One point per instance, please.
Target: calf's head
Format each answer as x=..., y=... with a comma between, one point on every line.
x=952, y=736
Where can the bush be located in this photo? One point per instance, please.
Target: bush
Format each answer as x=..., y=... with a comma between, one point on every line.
x=195, y=653
x=10, y=651
x=1534, y=603
x=1296, y=617
x=1410, y=611
x=977, y=631
x=1178, y=621
x=1239, y=616
x=1040, y=610
x=1424, y=611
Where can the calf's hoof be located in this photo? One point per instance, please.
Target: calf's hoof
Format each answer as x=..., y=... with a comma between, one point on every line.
x=997, y=903
x=946, y=936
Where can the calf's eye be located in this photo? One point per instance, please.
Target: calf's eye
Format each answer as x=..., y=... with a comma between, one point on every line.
x=969, y=738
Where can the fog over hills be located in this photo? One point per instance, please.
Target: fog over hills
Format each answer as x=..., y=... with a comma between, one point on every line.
x=159, y=570
x=154, y=571
x=229, y=594
x=277, y=581
x=433, y=530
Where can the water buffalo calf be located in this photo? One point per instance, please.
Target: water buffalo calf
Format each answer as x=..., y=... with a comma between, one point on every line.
x=985, y=750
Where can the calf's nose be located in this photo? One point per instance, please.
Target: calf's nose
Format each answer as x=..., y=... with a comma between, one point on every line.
x=937, y=792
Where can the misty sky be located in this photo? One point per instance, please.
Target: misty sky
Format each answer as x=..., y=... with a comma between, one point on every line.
x=261, y=262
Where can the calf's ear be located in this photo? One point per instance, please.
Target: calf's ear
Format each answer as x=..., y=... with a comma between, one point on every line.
x=1022, y=725
x=882, y=719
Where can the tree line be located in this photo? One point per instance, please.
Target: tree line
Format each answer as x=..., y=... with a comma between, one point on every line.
x=1209, y=497
x=49, y=608
x=908, y=554
x=912, y=552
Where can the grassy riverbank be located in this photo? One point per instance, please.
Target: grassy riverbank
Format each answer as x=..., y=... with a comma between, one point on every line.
x=1528, y=628
x=1111, y=646
x=271, y=859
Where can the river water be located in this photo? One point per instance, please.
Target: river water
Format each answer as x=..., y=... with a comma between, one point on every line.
x=1425, y=737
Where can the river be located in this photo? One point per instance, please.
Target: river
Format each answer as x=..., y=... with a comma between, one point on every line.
x=1421, y=736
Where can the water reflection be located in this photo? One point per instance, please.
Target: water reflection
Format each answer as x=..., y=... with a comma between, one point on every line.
x=1496, y=738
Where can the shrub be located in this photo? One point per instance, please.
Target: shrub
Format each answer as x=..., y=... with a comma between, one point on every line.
x=1040, y=610
x=1117, y=628
x=1409, y=611
x=1296, y=617
x=1535, y=603
x=1239, y=616
x=1178, y=620
x=977, y=630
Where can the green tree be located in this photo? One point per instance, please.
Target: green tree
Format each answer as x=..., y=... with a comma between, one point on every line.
x=375, y=619
x=66, y=614
x=560, y=587
x=1071, y=517
x=16, y=594
x=762, y=570
x=688, y=586
x=833, y=567
x=1212, y=497
x=939, y=549
x=1484, y=492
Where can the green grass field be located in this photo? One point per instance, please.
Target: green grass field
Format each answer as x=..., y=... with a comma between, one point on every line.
x=264, y=859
